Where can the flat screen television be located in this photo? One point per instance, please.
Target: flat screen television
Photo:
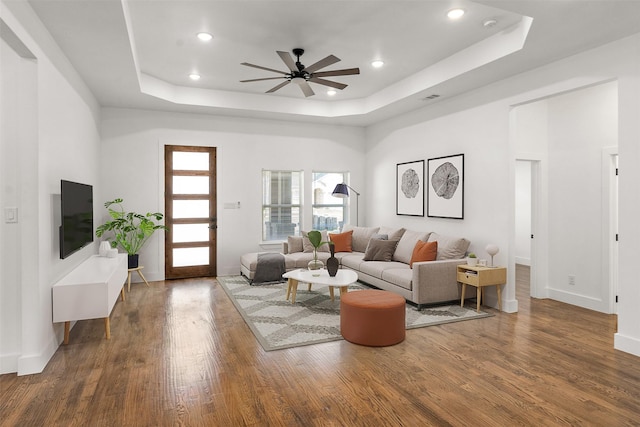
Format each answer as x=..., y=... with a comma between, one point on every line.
x=76, y=230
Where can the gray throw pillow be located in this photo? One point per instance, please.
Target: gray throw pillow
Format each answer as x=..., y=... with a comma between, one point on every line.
x=380, y=250
x=393, y=233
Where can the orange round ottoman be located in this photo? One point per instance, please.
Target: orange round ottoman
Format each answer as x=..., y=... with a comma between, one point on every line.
x=372, y=317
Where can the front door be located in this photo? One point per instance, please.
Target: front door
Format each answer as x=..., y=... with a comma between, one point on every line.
x=190, y=209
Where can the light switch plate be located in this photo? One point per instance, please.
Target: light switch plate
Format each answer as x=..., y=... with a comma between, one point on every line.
x=10, y=215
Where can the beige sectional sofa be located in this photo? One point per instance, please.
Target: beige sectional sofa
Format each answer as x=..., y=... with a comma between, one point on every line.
x=425, y=282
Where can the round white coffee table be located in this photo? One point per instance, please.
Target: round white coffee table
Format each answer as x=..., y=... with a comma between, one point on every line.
x=341, y=280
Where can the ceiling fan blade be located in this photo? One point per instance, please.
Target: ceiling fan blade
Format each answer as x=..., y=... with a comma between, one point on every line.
x=328, y=83
x=283, y=84
x=259, y=80
x=333, y=73
x=306, y=89
x=263, y=68
x=322, y=63
x=288, y=60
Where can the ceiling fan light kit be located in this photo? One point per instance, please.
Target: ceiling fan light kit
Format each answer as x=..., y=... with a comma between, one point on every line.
x=301, y=75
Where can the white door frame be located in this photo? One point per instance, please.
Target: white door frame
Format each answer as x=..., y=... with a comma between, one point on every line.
x=610, y=226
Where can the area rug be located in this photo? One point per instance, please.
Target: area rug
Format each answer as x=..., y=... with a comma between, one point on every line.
x=314, y=318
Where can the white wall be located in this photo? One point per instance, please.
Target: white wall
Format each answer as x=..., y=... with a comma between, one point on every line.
x=51, y=134
x=133, y=165
x=15, y=73
x=580, y=125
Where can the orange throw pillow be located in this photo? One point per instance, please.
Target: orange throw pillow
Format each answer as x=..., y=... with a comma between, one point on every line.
x=342, y=241
x=424, y=251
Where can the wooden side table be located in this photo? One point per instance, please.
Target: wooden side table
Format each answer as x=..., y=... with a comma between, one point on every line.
x=139, y=271
x=480, y=277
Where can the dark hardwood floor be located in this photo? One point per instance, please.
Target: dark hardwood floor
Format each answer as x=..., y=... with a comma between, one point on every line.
x=180, y=354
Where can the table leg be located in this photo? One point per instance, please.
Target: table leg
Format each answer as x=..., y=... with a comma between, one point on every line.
x=478, y=298
x=331, y=292
x=464, y=286
x=143, y=278
x=309, y=287
x=67, y=328
x=129, y=281
x=293, y=291
x=289, y=287
x=499, y=297
x=122, y=292
x=343, y=290
x=107, y=327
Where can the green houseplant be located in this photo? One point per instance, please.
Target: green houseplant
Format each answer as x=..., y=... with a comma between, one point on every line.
x=315, y=237
x=131, y=230
x=472, y=260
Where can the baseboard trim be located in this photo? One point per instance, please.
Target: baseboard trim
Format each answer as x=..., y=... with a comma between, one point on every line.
x=627, y=344
x=35, y=364
x=9, y=363
x=578, y=300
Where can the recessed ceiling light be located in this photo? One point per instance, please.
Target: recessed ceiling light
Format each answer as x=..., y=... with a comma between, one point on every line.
x=331, y=92
x=455, y=13
x=194, y=76
x=377, y=63
x=205, y=37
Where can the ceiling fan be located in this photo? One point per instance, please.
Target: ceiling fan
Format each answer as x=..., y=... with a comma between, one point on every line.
x=302, y=75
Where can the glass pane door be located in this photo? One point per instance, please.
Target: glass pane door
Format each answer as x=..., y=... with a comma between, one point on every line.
x=190, y=206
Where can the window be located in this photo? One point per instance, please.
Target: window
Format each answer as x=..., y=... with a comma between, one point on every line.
x=280, y=204
x=329, y=212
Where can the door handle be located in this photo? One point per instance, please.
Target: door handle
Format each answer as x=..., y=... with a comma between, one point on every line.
x=214, y=224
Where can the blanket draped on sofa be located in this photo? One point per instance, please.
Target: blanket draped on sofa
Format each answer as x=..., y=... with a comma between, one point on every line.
x=269, y=269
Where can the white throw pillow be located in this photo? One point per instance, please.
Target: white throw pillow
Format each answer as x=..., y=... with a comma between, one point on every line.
x=361, y=236
x=450, y=247
x=407, y=242
x=308, y=247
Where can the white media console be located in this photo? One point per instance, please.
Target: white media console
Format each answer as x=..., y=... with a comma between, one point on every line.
x=90, y=291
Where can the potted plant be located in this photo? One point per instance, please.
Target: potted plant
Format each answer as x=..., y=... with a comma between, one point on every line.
x=472, y=260
x=315, y=237
x=131, y=230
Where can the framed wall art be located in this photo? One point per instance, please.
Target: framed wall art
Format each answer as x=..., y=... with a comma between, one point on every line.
x=410, y=188
x=445, y=188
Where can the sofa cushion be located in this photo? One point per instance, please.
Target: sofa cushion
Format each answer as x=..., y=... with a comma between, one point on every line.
x=377, y=268
x=250, y=261
x=308, y=247
x=342, y=241
x=380, y=250
x=301, y=259
x=352, y=260
x=294, y=244
x=450, y=247
x=424, y=251
x=361, y=236
x=378, y=236
x=402, y=277
x=392, y=233
x=407, y=243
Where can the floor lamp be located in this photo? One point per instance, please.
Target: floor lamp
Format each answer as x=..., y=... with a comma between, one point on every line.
x=342, y=191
